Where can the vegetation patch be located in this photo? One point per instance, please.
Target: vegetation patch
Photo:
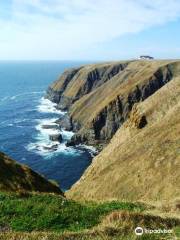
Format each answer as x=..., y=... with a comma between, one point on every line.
x=49, y=216
x=49, y=212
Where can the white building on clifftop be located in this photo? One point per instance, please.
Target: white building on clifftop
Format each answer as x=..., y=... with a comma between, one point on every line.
x=146, y=57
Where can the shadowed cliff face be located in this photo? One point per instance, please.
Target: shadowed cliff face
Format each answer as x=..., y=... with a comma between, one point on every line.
x=56, y=90
x=17, y=177
x=100, y=97
x=75, y=83
x=116, y=112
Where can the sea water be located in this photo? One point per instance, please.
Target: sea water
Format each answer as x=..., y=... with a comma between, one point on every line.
x=24, y=111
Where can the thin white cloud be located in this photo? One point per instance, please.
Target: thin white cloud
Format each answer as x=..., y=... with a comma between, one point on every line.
x=61, y=29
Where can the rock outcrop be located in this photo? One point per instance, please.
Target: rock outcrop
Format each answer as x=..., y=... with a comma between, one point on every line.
x=65, y=123
x=56, y=137
x=18, y=177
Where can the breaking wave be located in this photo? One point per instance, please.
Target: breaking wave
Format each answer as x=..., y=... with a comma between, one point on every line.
x=46, y=106
x=45, y=128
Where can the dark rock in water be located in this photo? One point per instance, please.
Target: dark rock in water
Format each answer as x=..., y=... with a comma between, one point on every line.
x=71, y=143
x=51, y=148
x=65, y=123
x=76, y=140
x=50, y=126
x=56, y=137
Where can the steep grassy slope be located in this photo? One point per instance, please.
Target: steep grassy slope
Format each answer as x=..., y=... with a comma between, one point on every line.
x=143, y=158
x=17, y=177
x=100, y=97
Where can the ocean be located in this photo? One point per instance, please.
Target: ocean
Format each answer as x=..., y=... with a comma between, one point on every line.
x=24, y=111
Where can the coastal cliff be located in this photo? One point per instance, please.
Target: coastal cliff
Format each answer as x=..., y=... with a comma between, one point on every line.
x=142, y=160
x=77, y=82
x=99, y=97
x=129, y=110
x=18, y=177
x=133, y=116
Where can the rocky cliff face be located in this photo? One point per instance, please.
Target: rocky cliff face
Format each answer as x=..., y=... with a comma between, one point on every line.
x=17, y=177
x=75, y=83
x=56, y=90
x=136, y=109
x=100, y=97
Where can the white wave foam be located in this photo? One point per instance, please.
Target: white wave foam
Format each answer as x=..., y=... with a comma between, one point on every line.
x=46, y=127
x=92, y=150
x=26, y=93
x=13, y=97
x=67, y=134
x=12, y=122
x=43, y=145
x=21, y=120
x=7, y=98
x=4, y=99
x=10, y=125
x=49, y=149
x=45, y=132
x=46, y=106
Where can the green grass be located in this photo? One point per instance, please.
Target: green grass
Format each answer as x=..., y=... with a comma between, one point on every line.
x=50, y=216
x=47, y=212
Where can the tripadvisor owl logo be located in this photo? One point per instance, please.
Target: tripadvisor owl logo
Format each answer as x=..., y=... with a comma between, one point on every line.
x=139, y=231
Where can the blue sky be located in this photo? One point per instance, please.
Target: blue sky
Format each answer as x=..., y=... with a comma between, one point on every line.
x=89, y=29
